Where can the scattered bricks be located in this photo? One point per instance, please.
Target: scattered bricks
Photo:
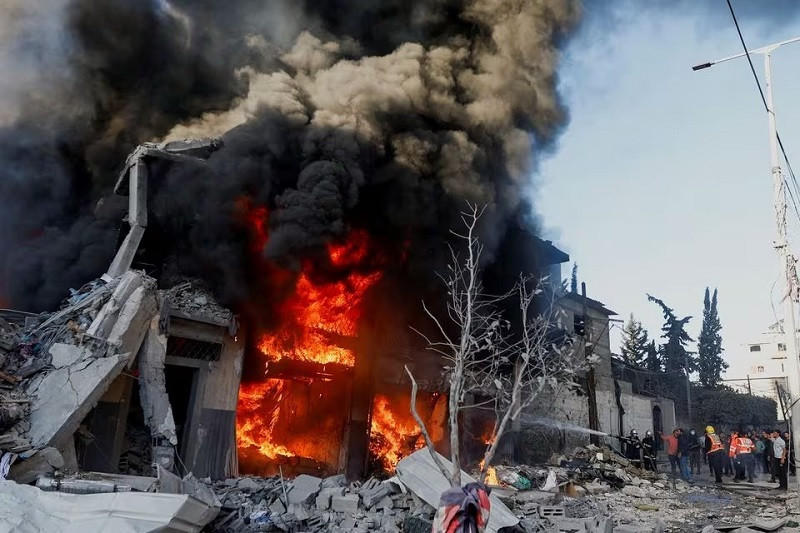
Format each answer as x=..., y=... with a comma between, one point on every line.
x=551, y=511
x=324, y=497
x=374, y=495
x=304, y=488
x=570, y=524
x=347, y=503
x=417, y=524
x=385, y=503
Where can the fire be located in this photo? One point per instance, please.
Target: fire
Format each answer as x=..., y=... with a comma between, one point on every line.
x=491, y=475
x=251, y=429
x=317, y=312
x=300, y=416
x=393, y=434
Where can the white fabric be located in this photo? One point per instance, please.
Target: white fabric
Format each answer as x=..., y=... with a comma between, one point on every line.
x=778, y=446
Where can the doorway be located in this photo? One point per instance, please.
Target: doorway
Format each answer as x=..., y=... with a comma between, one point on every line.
x=658, y=426
x=181, y=383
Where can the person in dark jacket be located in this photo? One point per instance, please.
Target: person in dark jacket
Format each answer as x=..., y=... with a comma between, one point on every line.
x=695, y=451
x=787, y=438
x=684, y=449
x=649, y=451
x=766, y=437
x=633, y=449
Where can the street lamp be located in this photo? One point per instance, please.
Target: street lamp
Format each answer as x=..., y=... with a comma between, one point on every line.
x=787, y=261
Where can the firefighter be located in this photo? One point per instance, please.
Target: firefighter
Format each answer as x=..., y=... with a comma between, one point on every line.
x=649, y=451
x=633, y=449
x=732, y=451
x=715, y=452
x=745, y=458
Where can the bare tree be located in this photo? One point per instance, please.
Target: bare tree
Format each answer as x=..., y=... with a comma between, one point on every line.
x=484, y=359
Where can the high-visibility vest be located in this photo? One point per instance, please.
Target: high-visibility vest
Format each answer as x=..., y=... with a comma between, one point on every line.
x=732, y=449
x=716, y=443
x=744, y=445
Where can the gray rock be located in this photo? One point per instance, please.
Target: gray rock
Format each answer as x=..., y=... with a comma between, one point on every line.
x=347, y=503
x=304, y=488
x=334, y=481
x=636, y=492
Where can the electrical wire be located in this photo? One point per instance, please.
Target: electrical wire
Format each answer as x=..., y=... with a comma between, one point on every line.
x=767, y=109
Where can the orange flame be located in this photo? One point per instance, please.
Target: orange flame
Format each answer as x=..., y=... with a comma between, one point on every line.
x=317, y=311
x=491, y=474
x=252, y=427
x=314, y=323
x=394, y=432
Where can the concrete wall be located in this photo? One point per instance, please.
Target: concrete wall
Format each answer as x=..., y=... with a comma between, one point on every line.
x=210, y=448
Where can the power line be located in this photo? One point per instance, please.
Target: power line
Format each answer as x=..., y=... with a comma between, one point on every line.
x=768, y=110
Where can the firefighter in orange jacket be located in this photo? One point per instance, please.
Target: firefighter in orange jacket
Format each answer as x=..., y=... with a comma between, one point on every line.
x=744, y=458
x=715, y=452
x=732, y=442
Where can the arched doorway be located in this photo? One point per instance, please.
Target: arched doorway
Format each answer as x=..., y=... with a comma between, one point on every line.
x=658, y=425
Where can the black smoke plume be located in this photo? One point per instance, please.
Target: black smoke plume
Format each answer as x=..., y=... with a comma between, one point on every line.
x=384, y=115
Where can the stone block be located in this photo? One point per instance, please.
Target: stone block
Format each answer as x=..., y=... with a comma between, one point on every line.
x=334, y=481
x=44, y=462
x=304, y=488
x=347, y=503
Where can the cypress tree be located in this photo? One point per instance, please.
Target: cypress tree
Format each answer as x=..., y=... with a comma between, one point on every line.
x=652, y=360
x=710, y=364
x=573, y=282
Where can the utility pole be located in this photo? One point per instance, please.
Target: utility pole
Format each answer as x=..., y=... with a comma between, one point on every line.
x=785, y=258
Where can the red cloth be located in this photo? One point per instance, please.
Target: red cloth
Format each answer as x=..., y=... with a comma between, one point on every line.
x=463, y=510
x=672, y=444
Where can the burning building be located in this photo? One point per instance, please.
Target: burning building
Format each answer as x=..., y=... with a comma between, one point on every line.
x=350, y=137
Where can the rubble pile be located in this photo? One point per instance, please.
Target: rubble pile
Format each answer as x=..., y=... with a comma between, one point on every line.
x=54, y=367
x=309, y=503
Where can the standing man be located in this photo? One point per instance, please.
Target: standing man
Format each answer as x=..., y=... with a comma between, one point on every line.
x=732, y=451
x=672, y=450
x=649, y=451
x=744, y=456
x=759, y=453
x=767, y=438
x=695, y=451
x=633, y=449
x=787, y=438
x=684, y=448
x=715, y=453
x=779, y=460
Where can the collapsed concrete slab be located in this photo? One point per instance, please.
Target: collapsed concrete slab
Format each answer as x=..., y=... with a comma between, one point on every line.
x=61, y=398
x=420, y=475
x=29, y=509
x=152, y=384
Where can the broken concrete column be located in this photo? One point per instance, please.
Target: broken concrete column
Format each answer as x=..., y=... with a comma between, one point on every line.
x=153, y=384
x=104, y=321
x=134, y=318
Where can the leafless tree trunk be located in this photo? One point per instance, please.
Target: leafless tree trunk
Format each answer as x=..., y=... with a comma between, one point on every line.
x=474, y=339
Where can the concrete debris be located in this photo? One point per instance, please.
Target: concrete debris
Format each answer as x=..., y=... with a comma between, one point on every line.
x=29, y=509
x=252, y=504
x=60, y=364
x=153, y=384
x=193, y=301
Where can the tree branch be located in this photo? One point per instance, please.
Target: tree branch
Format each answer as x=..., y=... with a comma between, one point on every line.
x=423, y=428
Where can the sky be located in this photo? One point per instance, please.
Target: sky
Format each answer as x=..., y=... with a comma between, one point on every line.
x=661, y=182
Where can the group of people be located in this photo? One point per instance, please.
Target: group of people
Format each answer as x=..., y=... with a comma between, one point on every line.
x=740, y=454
